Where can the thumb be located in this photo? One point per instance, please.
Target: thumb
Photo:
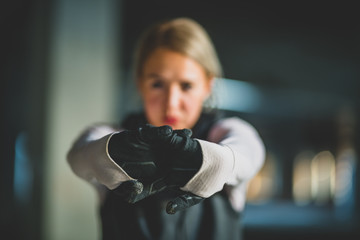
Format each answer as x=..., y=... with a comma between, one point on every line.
x=182, y=202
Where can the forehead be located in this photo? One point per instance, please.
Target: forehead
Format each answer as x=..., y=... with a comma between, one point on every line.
x=171, y=64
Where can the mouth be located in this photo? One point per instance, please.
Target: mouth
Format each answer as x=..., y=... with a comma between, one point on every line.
x=170, y=120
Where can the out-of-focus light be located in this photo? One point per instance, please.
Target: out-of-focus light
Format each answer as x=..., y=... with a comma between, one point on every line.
x=323, y=177
x=262, y=187
x=235, y=95
x=302, y=178
x=345, y=183
x=22, y=171
x=314, y=178
x=344, y=177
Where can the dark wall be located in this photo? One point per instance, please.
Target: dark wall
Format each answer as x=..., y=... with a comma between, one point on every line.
x=23, y=77
x=313, y=46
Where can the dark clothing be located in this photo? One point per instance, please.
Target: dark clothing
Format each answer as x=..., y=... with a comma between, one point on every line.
x=212, y=219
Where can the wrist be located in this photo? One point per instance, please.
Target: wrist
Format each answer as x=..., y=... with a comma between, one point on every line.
x=104, y=168
x=217, y=166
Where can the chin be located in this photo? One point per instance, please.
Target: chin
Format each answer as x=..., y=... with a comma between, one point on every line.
x=173, y=126
x=181, y=127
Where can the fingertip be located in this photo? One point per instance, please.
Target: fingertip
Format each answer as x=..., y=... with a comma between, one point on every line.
x=162, y=130
x=165, y=130
x=185, y=132
x=134, y=191
x=138, y=187
x=129, y=190
x=171, y=208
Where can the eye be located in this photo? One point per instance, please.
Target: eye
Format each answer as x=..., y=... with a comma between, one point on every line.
x=185, y=86
x=157, y=84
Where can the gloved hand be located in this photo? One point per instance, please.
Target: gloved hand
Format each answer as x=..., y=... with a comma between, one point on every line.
x=135, y=151
x=179, y=158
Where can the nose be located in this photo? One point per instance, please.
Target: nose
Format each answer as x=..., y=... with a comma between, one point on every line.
x=173, y=98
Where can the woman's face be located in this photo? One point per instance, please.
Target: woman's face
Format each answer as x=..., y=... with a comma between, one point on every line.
x=173, y=88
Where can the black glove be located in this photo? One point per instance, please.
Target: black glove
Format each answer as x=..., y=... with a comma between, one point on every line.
x=183, y=201
x=178, y=159
x=181, y=160
x=135, y=151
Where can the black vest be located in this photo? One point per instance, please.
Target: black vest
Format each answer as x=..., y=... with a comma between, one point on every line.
x=212, y=219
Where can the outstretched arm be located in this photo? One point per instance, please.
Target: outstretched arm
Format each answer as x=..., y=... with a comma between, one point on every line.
x=113, y=158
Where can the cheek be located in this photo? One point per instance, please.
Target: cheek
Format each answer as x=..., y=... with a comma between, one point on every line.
x=196, y=98
x=193, y=106
x=193, y=103
x=153, y=106
x=153, y=102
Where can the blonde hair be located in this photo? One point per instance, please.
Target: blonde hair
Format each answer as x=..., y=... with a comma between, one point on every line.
x=182, y=35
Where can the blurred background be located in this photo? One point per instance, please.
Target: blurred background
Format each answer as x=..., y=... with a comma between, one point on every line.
x=291, y=70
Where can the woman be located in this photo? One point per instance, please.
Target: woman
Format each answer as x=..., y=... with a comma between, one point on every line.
x=153, y=160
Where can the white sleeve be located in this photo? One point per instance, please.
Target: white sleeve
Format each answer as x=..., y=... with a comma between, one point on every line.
x=233, y=154
x=90, y=160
